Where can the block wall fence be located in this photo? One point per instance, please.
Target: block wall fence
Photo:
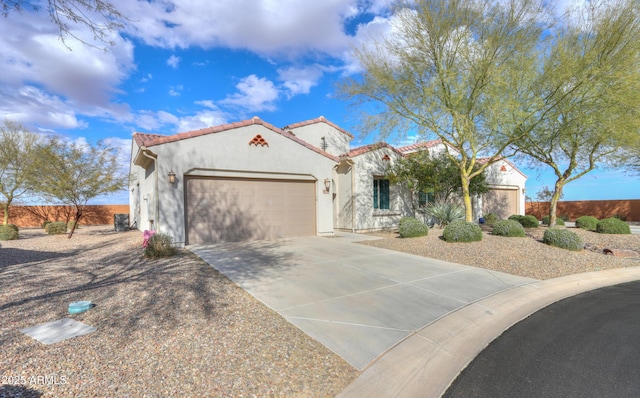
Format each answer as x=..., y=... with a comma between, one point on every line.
x=596, y=208
x=34, y=216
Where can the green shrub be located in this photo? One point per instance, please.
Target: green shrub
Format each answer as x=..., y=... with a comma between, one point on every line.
x=491, y=219
x=559, y=221
x=45, y=223
x=526, y=221
x=56, y=228
x=563, y=238
x=620, y=217
x=412, y=228
x=564, y=217
x=462, y=231
x=612, y=226
x=445, y=213
x=509, y=228
x=9, y=232
x=587, y=222
x=160, y=245
x=403, y=220
x=70, y=224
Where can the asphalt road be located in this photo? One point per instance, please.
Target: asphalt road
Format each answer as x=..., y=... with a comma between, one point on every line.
x=584, y=346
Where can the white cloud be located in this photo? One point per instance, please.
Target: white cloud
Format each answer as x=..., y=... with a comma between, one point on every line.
x=44, y=82
x=162, y=122
x=300, y=80
x=254, y=94
x=173, y=61
x=266, y=27
x=175, y=91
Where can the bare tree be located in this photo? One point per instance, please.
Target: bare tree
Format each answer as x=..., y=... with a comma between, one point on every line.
x=101, y=17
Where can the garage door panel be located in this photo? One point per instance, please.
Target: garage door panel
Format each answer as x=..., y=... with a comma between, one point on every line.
x=502, y=202
x=231, y=209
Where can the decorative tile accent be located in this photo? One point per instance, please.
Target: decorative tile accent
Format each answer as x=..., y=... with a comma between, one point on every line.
x=386, y=157
x=258, y=140
x=503, y=168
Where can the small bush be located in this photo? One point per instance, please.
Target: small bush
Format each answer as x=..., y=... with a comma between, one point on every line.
x=587, y=222
x=9, y=232
x=462, y=231
x=491, y=219
x=56, y=228
x=403, y=220
x=526, y=221
x=160, y=245
x=563, y=238
x=509, y=228
x=612, y=226
x=413, y=228
x=71, y=224
x=559, y=221
x=620, y=217
x=44, y=224
x=445, y=213
x=564, y=217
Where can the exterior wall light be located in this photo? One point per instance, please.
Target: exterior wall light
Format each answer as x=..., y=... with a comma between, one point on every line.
x=172, y=177
x=327, y=185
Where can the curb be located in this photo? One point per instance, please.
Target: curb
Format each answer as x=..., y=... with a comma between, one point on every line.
x=425, y=364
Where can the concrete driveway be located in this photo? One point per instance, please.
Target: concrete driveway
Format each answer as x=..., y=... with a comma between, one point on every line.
x=357, y=300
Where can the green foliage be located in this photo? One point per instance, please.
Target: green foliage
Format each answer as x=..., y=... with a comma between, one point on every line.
x=160, y=245
x=564, y=217
x=412, y=228
x=613, y=226
x=404, y=220
x=439, y=174
x=526, y=221
x=491, y=218
x=71, y=224
x=559, y=221
x=56, y=228
x=587, y=222
x=462, y=231
x=563, y=238
x=444, y=212
x=620, y=217
x=45, y=223
x=509, y=228
x=9, y=232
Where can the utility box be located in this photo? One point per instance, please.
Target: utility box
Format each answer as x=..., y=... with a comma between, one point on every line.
x=121, y=222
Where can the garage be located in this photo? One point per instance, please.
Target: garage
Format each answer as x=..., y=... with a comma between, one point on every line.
x=501, y=202
x=221, y=209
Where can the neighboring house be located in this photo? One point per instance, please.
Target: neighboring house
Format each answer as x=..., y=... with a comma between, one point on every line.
x=250, y=180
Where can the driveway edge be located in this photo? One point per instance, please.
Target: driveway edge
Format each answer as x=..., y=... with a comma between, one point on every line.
x=425, y=364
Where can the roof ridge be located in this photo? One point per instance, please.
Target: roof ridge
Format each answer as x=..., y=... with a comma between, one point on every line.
x=320, y=119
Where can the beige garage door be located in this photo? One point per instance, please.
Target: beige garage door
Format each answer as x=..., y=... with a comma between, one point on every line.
x=502, y=202
x=238, y=209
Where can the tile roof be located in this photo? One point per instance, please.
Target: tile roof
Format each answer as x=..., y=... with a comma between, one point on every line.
x=419, y=146
x=320, y=119
x=486, y=159
x=148, y=140
x=371, y=147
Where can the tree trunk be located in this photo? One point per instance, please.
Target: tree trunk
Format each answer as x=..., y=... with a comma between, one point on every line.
x=553, y=204
x=75, y=224
x=466, y=197
x=5, y=207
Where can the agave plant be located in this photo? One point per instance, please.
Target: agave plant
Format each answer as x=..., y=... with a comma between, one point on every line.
x=445, y=212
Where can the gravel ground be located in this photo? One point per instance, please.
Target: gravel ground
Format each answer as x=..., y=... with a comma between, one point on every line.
x=527, y=257
x=168, y=327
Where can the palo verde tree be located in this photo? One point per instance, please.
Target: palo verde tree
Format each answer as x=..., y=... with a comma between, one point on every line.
x=591, y=69
x=18, y=161
x=76, y=173
x=101, y=17
x=433, y=173
x=456, y=69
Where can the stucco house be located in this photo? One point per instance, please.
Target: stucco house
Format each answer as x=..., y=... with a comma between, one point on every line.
x=251, y=180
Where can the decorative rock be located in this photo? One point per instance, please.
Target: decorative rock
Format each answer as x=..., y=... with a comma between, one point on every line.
x=621, y=253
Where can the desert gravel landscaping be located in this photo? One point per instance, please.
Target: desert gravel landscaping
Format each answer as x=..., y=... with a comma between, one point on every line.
x=527, y=257
x=169, y=327
x=177, y=327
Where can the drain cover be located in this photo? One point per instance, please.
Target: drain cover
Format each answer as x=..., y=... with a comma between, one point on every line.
x=55, y=331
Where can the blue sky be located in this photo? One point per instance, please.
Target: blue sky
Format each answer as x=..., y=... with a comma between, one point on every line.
x=188, y=64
